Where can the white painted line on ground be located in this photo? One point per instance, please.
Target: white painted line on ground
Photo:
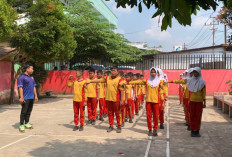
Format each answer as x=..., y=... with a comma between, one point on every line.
x=167, y=147
x=148, y=146
x=14, y=142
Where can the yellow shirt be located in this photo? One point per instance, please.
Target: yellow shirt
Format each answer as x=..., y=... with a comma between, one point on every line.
x=79, y=90
x=165, y=89
x=152, y=93
x=91, y=89
x=101, y=87
x=113, y=88
x=193, y=96
x=161, y=93
x=128, y=91
x=143, y=89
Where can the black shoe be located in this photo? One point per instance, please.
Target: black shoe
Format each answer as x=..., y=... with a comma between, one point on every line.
x=93, y=122
x=101, y=119
x=188, y=128
x=136, y=114
x=104, y=115
x=75, y=128
x=110, y=129
x=193, y=134
x=161, y=126
x=123, y=124
x=130, y=121
x=119, y=130
x=89, y=121
x=81, y=128
x=155, y=133
x=126, y=119
x=97, y=117
x=197, y=134
x=150, y=133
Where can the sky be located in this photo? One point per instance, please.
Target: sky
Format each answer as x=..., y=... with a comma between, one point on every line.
x=140, y=27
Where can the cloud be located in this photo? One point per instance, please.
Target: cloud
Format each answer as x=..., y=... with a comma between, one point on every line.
x=121, y=11
x=120, y=31
x=155, y=33
x=199, y=21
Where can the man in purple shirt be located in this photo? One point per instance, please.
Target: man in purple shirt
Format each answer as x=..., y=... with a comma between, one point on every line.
x=27, y=95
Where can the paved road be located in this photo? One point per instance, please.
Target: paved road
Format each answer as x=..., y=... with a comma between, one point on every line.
x=53, y=136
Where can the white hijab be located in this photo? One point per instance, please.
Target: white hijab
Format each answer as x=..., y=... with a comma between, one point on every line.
x=153, y=81
x=161, y=77
x=185, y=74
x=166, y=77
x=196, y=84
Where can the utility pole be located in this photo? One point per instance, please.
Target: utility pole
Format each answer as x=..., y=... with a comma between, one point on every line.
x=225, y=34
x=213, y=29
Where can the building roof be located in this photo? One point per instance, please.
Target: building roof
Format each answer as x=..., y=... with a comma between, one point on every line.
x=5, y=52
x=191, y=50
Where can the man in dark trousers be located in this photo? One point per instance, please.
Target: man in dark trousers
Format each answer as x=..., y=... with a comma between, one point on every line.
x=27, y=95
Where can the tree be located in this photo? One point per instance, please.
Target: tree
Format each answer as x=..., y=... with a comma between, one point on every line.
x=45, y=38
x=181, y=10
x=95, y=38
x=7, y=20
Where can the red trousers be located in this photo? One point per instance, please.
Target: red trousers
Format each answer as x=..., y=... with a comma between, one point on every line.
x=105, y=108
x=92, y=108
x=196, y=109
x=101, y=105
x=128, y=108
x=180, y=94
x=137, y=103
x=142, y=97
x=186, y=109
x=152, y=110
x=161, y=112
x=123, y=112
x=133, y=108
x=79, y=108
x=114, y=108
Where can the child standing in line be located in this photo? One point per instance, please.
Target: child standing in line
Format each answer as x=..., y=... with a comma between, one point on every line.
x=180, y=91
x=161, y=97
x=79, y=99
x=100, y=94
x=152, y=100
x=114, y=98
x=91, y=98
x=129, y=95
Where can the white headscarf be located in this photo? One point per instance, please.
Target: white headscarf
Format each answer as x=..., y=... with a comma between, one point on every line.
x=161, y=77
x=181, y=75
x=189, y=71
x=196, y=84
x=185, y=74
x=166, y=77
x=153, y=81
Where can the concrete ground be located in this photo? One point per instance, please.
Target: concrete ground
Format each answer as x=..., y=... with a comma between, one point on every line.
x=53, y=136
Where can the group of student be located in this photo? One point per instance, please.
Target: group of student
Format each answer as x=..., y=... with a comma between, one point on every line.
x=119, y=94
x=192, y=94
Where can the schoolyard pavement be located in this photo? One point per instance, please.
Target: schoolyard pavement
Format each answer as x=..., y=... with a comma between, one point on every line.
x=53, y=136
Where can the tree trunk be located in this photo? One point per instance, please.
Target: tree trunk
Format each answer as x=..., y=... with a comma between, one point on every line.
x=12, y=83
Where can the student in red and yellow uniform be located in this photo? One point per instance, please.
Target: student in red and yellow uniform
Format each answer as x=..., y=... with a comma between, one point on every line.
x=152, y=100
x=143, y=91
x=186, y=97
x=180, y=90
x=161, y=97
x=129, y=95
x=114, y=98
x=79, y=99
x=91, y=98
x=123, y=108
x=137, y=90
x=105, y=107
x=197, y=90
x=100, y=94
x=165, y=86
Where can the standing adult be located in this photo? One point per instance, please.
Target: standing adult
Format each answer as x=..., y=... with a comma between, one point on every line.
x=27, y=95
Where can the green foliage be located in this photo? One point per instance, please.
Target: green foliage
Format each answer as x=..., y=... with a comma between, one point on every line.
x=181, y=10
x=95, y=38
x=46, y=37
x=7, y=20
x=230, y=85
